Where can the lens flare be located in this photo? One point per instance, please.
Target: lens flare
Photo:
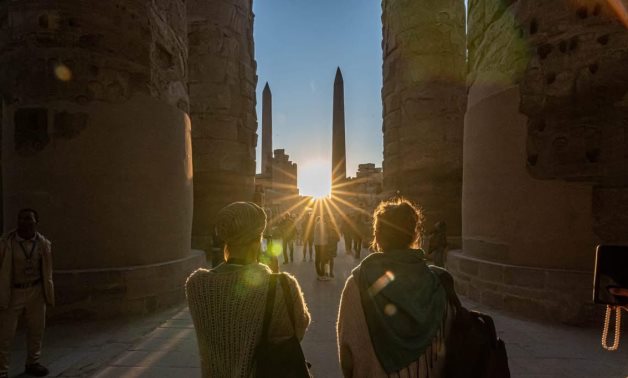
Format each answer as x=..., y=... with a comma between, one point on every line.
x=63, y=72
x=275, y=248
x=390, y=309
x=381, y=283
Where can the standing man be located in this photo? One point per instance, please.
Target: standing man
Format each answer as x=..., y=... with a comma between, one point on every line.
x=320, y=245
x=287, y=230
x=308, y=234
x=333, y=237
x=25, y=288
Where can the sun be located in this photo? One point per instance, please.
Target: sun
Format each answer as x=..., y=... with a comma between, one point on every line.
x=315, y=178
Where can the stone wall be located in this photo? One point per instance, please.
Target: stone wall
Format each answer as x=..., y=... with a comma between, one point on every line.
x=574, y=91
x=222, y=83
x=96, y=135
x=542, y=139
x=557, y=295
x=424, y=98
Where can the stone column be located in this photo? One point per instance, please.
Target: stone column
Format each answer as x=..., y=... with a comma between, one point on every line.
x=534, y=146
x=424, y=100
x=575, y=93
x=96, y=137
x=222, y=83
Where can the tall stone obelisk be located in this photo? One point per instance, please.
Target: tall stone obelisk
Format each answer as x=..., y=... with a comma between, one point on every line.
x=267, y=131
x=338, y=153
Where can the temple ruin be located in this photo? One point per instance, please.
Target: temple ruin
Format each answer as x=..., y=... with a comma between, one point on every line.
x=129, y=124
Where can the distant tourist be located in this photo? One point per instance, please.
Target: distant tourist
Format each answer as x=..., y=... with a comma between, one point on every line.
x=25, y=288
x=320, y=243
x=227, y=303
x=287, y=231
x=348, y=233
x=308, y=235
x=331, y=249
x=393, y=309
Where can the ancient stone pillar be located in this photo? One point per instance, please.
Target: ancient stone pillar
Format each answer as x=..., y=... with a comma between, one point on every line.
x=96, y=137
x=222, y=83
x=575, y=93
x=267, y=131
x=424, y=101
x=338, y=152
x=542, y=126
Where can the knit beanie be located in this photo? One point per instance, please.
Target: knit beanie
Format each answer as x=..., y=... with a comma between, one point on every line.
x=240, y=223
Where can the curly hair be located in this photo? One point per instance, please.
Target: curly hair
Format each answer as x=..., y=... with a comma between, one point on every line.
x=397, y=224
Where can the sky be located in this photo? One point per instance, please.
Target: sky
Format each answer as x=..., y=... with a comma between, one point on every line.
x=298, y=46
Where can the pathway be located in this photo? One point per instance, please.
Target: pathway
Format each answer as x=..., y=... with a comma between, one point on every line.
x=164, y=344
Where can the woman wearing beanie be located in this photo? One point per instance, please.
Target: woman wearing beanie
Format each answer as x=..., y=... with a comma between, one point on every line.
x=393, y=314
x=227, y=303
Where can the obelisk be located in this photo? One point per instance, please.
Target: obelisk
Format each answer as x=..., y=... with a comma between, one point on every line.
x=267, y=131
x=338, y=154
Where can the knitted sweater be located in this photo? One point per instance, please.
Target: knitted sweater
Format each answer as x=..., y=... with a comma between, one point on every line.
x=227, y=308
x=357, y=356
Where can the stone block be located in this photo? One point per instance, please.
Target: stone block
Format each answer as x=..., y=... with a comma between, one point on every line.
x=524, y=277
x=568, y=280
x=491, y=272
x=469, y=267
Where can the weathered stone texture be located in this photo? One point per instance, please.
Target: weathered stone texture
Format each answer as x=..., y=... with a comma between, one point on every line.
x=544, y=294
x=497, y=44
x=93, y=121
x=574, y=92
x=222, y=83
x=39, y=38
x=545, y=152
x=424, y=99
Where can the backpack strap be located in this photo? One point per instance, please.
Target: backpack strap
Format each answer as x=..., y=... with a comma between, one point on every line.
x=447, y=281
x=270, y=302
x=287, y=296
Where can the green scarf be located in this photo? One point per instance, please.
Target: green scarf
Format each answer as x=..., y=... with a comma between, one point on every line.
x=404, y=305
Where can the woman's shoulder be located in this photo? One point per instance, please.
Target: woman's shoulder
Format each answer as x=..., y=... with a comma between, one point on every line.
x=197, y=277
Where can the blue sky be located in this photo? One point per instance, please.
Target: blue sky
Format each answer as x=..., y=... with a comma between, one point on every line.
x=298, y=46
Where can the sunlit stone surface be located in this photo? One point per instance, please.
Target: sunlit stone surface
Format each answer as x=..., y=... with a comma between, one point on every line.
x=424, y=102
x=543, y=135
x=222, y=82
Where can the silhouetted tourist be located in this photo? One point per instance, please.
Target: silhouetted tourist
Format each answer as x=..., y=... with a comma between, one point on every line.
x=320, y=243
x=227, y=303
x=25, y=288
x=331, y=249
x=437, y=250
x=393, y=308
x=362, y=233
x=288, y=233
x=308, y=235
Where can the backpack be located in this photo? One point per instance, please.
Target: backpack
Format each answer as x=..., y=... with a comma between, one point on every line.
x=473, y=348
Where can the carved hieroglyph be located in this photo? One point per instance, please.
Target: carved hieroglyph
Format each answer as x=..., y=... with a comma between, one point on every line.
x=222, y=83
x=424, y=100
